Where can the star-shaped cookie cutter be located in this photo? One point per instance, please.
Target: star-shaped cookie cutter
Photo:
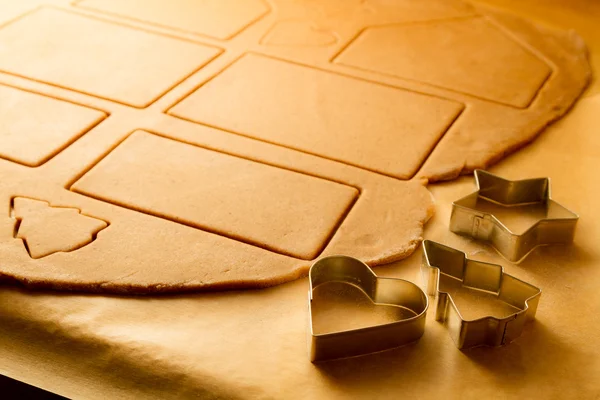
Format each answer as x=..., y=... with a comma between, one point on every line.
x=557, y=227
x=491, y=278
x=381, y=291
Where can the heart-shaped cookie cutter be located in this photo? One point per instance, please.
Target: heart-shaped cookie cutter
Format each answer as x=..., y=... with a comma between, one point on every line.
x=491, y=278
x=381, y=291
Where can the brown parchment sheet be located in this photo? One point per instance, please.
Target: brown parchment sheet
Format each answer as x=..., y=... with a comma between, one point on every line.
x=252, y=344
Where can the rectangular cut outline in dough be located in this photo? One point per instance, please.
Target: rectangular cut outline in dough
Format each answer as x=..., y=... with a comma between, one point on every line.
x=66, y=144
x=219, y=52
x=268, y=7
x=524, y=45
x=428, y=153
x=342, y=217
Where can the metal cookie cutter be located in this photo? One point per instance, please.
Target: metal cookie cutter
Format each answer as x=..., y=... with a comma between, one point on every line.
x=382, y=291
x=556, y=226
x=439, y=259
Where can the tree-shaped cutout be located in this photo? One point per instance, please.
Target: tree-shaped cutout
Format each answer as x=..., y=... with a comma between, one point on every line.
x=46, y=230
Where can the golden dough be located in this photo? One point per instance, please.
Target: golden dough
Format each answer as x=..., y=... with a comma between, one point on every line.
x=173, y=146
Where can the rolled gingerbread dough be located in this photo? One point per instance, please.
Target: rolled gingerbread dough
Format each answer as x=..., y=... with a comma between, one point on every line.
x=150, y=146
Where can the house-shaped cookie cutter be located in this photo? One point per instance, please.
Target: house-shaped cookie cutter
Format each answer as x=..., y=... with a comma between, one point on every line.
x=381, y=291
x=558, y=226
x=491, y=278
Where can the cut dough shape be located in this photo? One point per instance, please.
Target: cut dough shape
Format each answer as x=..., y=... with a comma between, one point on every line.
x=382, y=10
x=315, y=107
x=234, y=164
x=98, y=57
x=465, y=55
x=33, y=128
x=255, y=203
x=46, y=230
x=221, y=19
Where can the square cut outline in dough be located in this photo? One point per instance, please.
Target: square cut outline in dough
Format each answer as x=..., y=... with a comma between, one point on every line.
x=238, y=58
x=58, y=149
x=491, y=21
x=266, y=4
x=106, y=19
x=239, y=238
